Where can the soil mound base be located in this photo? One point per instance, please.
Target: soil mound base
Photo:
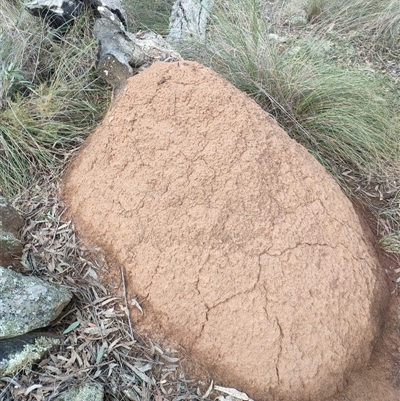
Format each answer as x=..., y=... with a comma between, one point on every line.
x=241, y=247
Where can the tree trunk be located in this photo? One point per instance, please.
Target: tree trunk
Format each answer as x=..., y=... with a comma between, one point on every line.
x=189, y=17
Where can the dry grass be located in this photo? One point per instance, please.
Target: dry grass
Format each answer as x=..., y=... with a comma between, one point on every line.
x=149, y=15
x=376, y=22
x=51, y=97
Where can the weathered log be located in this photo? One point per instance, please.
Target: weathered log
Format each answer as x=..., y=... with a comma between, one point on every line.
x=110, y=9
x=121, y=53
x=59, y=12
x=56, y=13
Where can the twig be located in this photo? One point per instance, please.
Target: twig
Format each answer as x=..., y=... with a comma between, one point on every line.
x=126, y=302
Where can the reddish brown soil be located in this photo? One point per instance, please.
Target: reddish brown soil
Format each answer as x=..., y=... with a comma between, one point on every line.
x=241, y=247
x=380, y=380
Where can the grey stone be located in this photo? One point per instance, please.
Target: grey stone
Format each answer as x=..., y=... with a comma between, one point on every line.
x=19, y=353
x=88, y=391
x=10, y=224
x=28, y=303
x=10, y=220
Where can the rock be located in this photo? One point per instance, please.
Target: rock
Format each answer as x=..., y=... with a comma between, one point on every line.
x=28, y=303
x=87, y=391
x=240, y=246
x=10, y=224
x=19, y=353
x=10, y=248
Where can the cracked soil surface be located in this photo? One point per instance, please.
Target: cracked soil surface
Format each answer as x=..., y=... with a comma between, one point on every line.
x=237, y=243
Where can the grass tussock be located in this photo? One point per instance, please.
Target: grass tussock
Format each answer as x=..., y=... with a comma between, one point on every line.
x=50, y=98
x=314, y=9
x=151, y=15
x=377, y=22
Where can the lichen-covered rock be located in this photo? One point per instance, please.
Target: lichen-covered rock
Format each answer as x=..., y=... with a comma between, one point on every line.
x=28, y=303
x=240, y=245
x=19, y=353
x=90, y=391
x=10, y=224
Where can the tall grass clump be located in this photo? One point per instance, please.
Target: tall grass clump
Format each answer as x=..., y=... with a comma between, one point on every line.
x=149, y=15
x=314, y=9
x=51, y=97
x=378, y=22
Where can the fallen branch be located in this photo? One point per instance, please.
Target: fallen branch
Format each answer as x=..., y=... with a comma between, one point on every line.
x=122, y=53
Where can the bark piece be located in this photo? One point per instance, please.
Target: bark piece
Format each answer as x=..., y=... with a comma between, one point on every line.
x=189, y=17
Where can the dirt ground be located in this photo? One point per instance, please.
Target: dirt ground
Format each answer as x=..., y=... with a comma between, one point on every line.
x=380, y=381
